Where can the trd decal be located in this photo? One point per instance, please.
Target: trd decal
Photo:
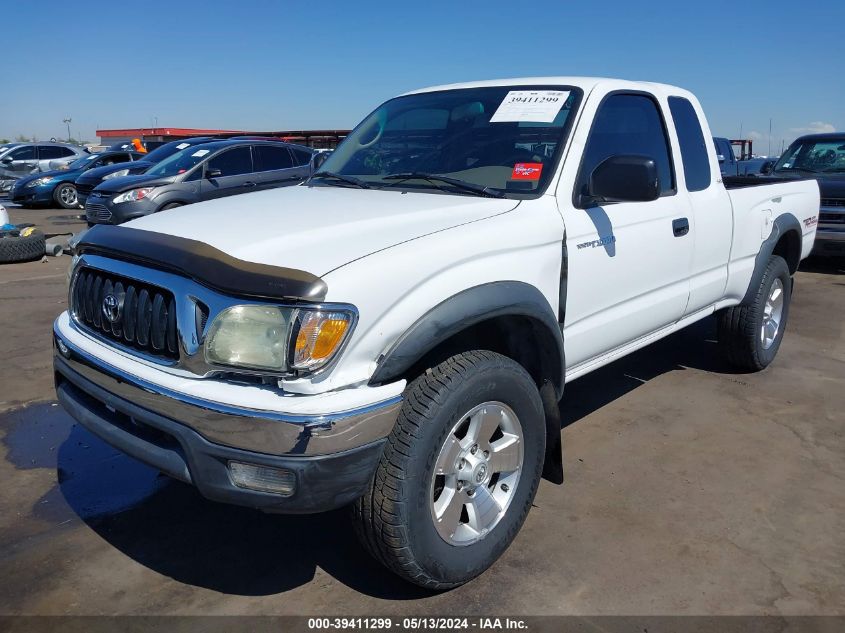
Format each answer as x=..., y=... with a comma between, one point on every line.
x=602, y=241
x=811, y=221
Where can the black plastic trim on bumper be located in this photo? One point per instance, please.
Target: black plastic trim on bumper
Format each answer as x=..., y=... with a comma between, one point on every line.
x=322, y=482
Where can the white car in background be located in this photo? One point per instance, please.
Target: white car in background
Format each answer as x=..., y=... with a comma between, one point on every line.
x=22, y=159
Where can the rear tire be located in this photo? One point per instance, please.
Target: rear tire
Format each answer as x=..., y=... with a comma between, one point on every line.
x=750, y=334
x=466, y=423
x=65, y=196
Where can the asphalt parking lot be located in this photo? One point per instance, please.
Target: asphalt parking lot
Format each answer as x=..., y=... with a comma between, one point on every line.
x=690, y=489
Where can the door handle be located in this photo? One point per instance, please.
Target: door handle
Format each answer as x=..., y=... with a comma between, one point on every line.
x=680, y=227
x=249, y=183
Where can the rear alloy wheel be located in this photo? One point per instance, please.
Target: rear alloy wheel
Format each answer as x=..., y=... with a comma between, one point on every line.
x=65, y=196
x=750, y=333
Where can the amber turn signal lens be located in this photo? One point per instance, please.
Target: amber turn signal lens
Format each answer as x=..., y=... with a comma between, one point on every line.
x=319, y=337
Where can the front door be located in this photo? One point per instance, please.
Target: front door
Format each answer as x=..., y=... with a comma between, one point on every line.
x=628, y=262
x=228, y=173
x=22, y=160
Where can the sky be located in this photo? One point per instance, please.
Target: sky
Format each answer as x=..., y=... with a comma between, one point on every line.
x=325, y=65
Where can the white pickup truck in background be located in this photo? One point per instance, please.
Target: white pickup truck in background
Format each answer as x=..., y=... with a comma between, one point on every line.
x=396, y=333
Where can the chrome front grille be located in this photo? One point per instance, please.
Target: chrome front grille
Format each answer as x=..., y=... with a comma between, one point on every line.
x=132, y=313
x=95, y=212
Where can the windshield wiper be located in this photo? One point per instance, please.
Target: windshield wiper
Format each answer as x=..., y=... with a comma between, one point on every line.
x=480, y=190
x=812, y=171
x=347, y=179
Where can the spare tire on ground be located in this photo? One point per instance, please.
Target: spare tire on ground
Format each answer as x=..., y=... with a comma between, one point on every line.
x=21, y=245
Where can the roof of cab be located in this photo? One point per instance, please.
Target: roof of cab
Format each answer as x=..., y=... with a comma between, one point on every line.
x=585, y=83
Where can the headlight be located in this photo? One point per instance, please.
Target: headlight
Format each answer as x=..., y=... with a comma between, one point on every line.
x=38, y=182
x=116, y=174
x=135, y=194
x=279, y=339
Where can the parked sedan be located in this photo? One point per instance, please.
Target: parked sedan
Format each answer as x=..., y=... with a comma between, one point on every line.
x=212, y=170
x=57, y=186
x=86, y=182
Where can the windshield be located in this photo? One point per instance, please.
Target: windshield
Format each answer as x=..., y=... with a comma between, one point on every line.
x=168, y=149
x=504, y=138
x=814, y=156
x=82, y=163
x=180, y=162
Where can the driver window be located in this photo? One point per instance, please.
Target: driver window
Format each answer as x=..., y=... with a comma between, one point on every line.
x=23, y=153
x=628, y=124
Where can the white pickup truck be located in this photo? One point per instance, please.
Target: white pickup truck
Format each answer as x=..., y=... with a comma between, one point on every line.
x=395, y=334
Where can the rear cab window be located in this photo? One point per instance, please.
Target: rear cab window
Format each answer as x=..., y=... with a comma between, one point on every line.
x=694, y=156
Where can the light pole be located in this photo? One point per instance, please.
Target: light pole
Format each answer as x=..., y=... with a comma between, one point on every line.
x=67, y=122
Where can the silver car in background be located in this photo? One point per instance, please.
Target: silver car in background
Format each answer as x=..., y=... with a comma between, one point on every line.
x=22, y=159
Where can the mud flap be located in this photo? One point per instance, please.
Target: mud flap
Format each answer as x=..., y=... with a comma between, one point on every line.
x=553, y=463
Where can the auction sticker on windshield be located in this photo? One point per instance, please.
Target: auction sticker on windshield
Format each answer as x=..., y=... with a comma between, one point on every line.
x=527, y=171
x=200, y=153
x=538, y=106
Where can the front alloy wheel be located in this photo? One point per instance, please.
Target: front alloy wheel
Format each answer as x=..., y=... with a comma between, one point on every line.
x=459, y=471
x=476, y=473
x=65, y=196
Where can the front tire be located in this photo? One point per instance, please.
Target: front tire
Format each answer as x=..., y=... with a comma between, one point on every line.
x=65, y=196
x=750, y=334
x=459, y=471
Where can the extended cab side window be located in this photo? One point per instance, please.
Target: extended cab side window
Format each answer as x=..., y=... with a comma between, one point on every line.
x=693, y=146
x=628, y=124
x=233, y=162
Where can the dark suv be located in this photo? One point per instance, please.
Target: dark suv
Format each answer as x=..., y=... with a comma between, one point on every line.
x=204, y=172
x=821, y=156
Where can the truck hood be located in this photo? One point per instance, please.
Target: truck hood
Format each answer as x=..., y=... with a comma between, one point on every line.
x=831, y=185
x=318, y=229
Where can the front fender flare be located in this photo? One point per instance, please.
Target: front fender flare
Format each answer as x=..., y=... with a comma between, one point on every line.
x=468, y=308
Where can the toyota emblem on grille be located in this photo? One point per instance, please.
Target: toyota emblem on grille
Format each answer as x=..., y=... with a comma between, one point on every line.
x=111, y=308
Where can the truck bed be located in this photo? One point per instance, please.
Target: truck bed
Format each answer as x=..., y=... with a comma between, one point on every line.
x=738, y=182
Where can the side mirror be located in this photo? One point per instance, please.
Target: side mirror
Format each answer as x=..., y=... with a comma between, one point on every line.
x=319, y=159
x=213, y=173
x=766, y=168
x=720, y=158
x=623, y=178
x=7, y=160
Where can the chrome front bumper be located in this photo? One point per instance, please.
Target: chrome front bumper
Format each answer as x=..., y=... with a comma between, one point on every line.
x=266, y=432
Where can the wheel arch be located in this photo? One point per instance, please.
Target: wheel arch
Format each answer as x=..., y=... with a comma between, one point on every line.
x=512, y=318
x=784, y=241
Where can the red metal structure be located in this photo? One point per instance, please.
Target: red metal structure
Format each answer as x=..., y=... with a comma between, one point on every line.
x=154, y=136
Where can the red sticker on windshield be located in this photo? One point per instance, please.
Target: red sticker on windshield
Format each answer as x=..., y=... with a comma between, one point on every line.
x=527, y=171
